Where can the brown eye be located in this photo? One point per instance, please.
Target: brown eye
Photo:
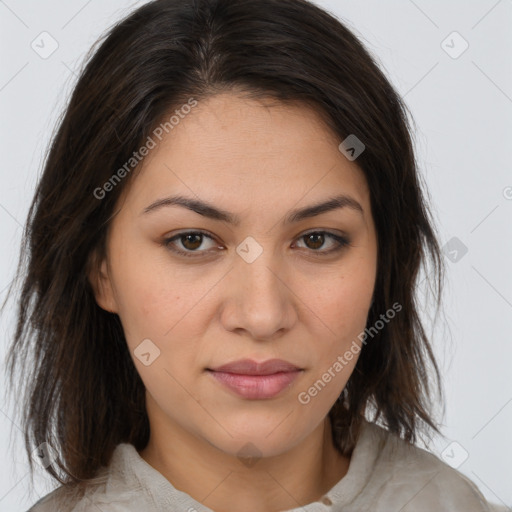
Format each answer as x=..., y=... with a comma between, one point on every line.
x=315, y=240
x=189, y=243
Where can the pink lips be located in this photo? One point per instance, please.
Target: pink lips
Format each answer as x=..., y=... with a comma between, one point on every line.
x=257, y=381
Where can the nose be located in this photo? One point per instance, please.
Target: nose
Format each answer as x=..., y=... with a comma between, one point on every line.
x=258, y=298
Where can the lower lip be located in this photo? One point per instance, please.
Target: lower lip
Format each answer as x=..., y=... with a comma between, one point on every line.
x=256, y=387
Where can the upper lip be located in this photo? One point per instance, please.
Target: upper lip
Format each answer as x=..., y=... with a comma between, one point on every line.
x=250, y=367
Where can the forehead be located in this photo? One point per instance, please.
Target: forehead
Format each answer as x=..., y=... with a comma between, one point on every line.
x=248, y=152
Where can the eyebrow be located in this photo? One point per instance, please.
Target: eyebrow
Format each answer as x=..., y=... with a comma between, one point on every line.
x=208, y=210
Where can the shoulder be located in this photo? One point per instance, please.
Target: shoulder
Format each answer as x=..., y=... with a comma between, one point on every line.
x=413, y=479
x=54, y=501
x=59, y=500
x=112, y=490
x=106, y=500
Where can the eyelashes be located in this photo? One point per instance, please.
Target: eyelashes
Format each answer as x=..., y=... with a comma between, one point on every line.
x=197, y=237
x=170, y=243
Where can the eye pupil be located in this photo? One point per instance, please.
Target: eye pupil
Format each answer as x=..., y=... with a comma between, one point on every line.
x=319, y=242
x=198, y=238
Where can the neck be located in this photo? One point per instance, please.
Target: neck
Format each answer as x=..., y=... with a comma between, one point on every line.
x=219, y=481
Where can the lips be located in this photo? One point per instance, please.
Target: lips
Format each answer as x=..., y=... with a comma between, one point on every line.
x=252, y=380
x=250, y=367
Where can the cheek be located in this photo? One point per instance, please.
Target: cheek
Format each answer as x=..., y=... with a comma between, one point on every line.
x=341, y=301
x=163, y=313
x=342, y=305
x=152, y=296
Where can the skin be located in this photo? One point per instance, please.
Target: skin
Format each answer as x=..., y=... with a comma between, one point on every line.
x=258, y=162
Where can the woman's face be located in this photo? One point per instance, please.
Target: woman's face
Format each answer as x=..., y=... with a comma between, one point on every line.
x=253, y=285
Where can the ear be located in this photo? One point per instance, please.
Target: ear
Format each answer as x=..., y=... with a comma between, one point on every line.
x=101, y=283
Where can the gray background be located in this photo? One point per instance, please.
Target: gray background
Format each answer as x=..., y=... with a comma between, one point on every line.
x=462, y=105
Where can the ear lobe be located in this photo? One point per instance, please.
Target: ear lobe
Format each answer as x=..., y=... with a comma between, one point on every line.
x=101, y=284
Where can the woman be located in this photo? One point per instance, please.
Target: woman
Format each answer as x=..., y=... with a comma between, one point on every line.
x=222, y=258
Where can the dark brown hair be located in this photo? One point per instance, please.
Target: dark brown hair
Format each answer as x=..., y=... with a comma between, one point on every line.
x=84, y=395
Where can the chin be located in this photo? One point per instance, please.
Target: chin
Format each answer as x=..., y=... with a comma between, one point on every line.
x=256, y=439
x=249, y=449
